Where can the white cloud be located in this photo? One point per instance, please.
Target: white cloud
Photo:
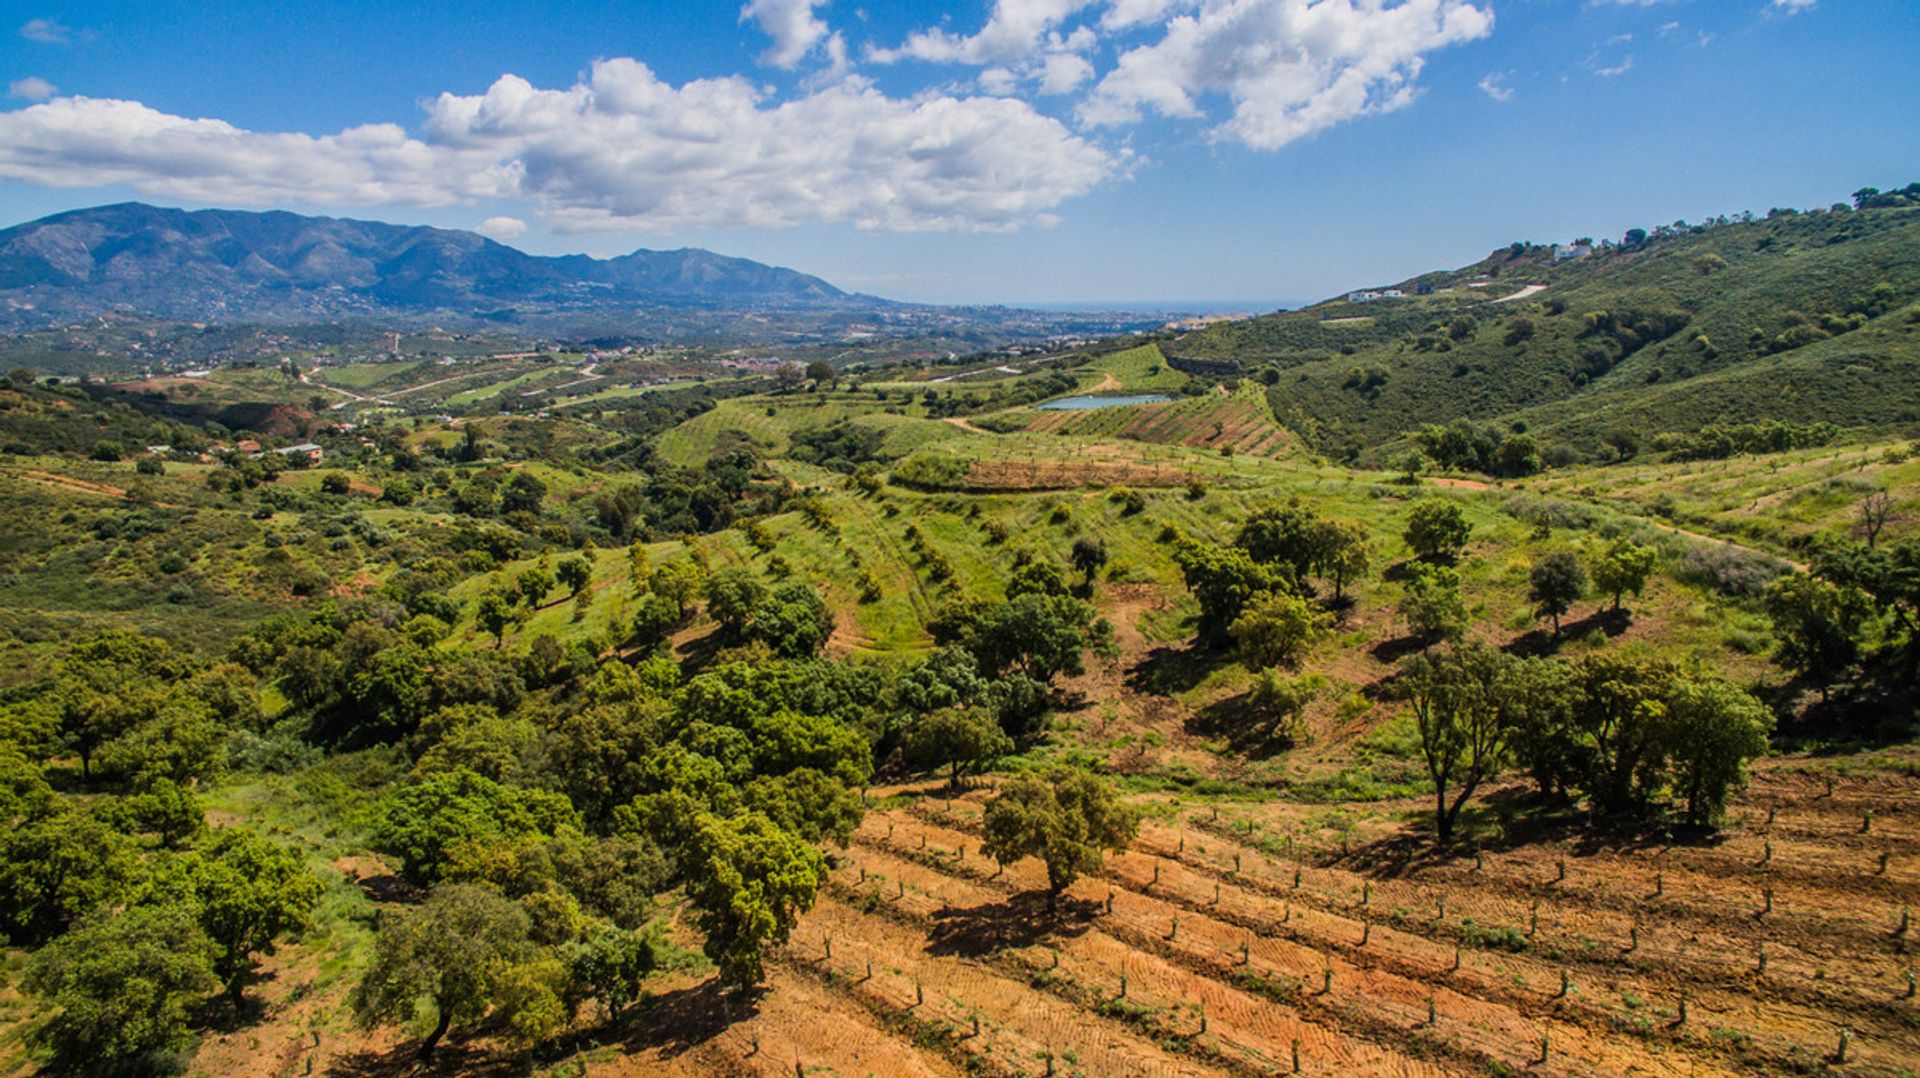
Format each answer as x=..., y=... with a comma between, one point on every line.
x=620, y=151
x=1064, y=72
x=1291, y=68
x=1015, y=31
x=46, y=31
x=1494, y=85
x=502, y=228
x=32, y=88
x=1124, y=14
x=93, y=142
x=791, y=24
x=626, y=151
x=1792, y=7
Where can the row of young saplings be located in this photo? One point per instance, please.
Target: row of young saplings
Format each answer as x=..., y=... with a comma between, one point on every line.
x=1633, y=945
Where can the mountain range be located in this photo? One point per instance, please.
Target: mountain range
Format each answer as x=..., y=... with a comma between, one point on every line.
x=228, y=265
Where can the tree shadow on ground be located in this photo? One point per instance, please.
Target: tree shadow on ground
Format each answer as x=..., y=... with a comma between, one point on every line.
x=1168, y=670
x=1539, y=643
x=676, y=1021
x=1513, y=819
x=454, y=1055
x=1021, y=921
x=1241, y=725
x=1392, y=650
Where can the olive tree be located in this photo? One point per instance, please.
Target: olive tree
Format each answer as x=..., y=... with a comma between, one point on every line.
x=451, y=951
x=1066, y=817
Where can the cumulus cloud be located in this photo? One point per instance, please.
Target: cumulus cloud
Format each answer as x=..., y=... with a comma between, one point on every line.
x=621, y=150
x=46, y=31
x=625, y=150
x=502, y=228
x=1125, y=14
x=32, y=88
x=791, y=24
x=1016, y=30
x=1291, y=68
x=93, y=142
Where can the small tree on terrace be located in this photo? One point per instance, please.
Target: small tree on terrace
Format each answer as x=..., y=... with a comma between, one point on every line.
x=1066, y=817
x=1457, y=708
x=495, y=613
x=1437, y=530
x=1819, y=624
x=1713, y=728
x=575, y=574
x=1088, y=556
x=732, y=597
x=960, y=739
x=1556, y=584
x=1623, y=567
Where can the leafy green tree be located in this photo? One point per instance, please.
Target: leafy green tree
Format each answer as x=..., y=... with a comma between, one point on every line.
x=534, y=582
x=121, y=989
x=1437, y=530
x=335, y=483
x=1286, y=535
x=610, y=965
x=1623, y=567
x=793, y=620
x=1556, y=583
x=1431, y=604
x=1224, y=580
x=958, y=739
x=748, y=880
x=1040, y=636
x=1459, y=711
x=57, y=869
x=679, y=581
x=1820, y=625
x=1036, y=576
x=732, y=597
x=495, y=613
x=451, y=951
x=425, y=822
x=1275, y=629
x=1713, y=728
x=574, y=573
x=247, y=892
x=1089, y=556
x=523, y=494
x=1619, y=717
x=808, y=802
x=1538, y=698
x=1342, y=552
x=639, y=566
x=1066, y=817
x=1283, y=701
x=820, y=372
x=162, y=808
x=1518, y=456
x=655, y=619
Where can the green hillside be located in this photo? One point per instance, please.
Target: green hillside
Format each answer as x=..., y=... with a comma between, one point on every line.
x=1799, y=316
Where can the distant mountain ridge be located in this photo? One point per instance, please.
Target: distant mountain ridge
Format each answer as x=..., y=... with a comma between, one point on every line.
x=279, y=266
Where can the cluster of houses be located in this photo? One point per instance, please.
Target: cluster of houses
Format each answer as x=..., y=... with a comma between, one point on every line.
x=1369, y=295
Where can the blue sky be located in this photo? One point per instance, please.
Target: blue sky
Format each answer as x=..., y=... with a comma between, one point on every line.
x=1025, y=151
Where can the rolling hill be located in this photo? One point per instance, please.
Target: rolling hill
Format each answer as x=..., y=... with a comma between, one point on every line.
x=225, y=265
x=1800, y=317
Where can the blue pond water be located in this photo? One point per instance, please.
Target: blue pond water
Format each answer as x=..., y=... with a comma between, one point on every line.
x=1085, y=404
